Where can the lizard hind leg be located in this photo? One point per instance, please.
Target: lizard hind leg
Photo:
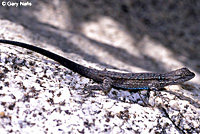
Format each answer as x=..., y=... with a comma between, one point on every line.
x=105, y=87
x=89, y=89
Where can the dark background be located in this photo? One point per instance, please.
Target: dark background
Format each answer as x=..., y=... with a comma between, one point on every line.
x=173, y=25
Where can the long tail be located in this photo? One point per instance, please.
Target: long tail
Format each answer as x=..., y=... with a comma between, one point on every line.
x=63, y=61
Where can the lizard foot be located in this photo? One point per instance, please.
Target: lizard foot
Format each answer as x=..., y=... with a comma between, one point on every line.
x=87, y=91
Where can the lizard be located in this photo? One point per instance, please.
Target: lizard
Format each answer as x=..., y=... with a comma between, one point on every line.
x=109, y=79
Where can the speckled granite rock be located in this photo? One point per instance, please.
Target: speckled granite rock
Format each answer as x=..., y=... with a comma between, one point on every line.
x=38, y=95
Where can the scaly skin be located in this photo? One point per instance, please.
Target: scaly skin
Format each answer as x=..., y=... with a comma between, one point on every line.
x=129, y=81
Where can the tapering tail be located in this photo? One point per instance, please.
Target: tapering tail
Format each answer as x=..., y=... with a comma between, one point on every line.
x=63, y=61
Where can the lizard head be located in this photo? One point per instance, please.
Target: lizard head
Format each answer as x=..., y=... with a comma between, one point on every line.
x=181, y=75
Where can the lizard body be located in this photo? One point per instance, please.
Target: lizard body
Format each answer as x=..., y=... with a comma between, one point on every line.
x=129, y=81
